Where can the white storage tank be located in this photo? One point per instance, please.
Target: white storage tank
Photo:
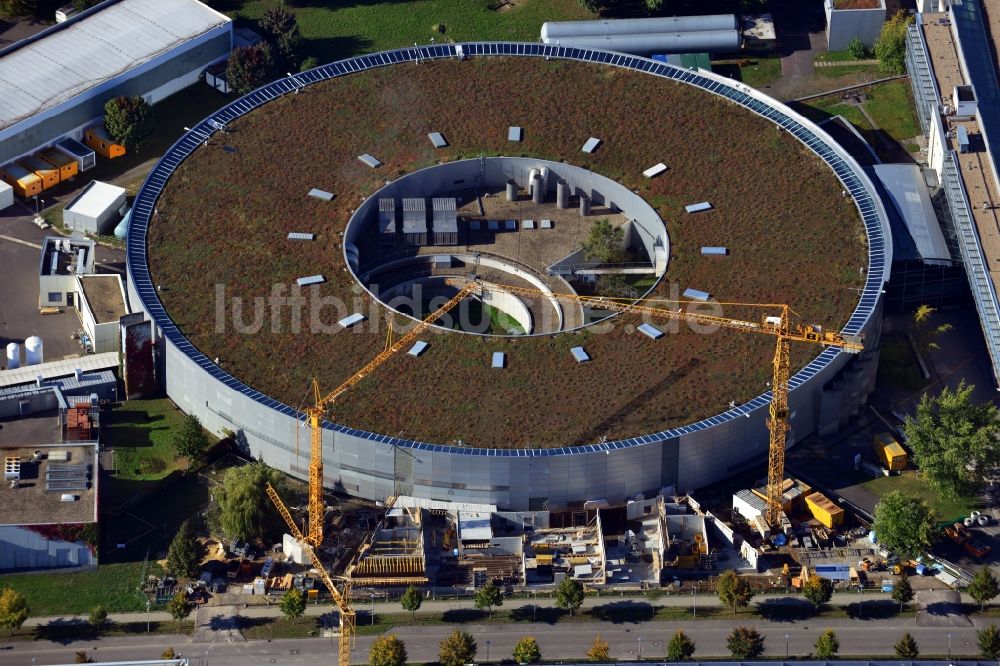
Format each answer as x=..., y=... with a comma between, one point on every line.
x=33, y=354
x=558, y=30
x=13, y=356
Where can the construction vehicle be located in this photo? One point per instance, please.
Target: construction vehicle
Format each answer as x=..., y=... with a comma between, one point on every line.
x=779, y=326
x=313, y=539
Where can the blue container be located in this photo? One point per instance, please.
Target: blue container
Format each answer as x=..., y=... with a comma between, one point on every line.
x=779, y=540
x=921, y=569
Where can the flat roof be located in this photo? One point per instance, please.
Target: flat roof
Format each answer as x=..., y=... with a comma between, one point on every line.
x=908, y=192
x=63, y=368
x=31, y=504
x=73, y=57
x=96, y=198
x=104, y=295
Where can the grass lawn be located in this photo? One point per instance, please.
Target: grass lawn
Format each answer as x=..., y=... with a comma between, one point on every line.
x=897, y=366
x=948, y=510
x=755, y=72
x=140, y=432
x=348, y=28
x=890, y=105
x=114, y=586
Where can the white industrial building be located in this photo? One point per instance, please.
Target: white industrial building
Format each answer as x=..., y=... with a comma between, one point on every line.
x=97, y=208
x=101, y=302
x=63, y=259
x=62, y=77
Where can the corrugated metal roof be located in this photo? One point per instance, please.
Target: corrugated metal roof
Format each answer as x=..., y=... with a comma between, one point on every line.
x=55, y=67
x=68, y=385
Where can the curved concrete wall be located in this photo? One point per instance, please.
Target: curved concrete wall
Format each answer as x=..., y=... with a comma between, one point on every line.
x=375, y=466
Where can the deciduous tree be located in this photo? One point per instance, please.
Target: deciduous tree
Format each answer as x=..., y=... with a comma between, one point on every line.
x=250, y=67
x=680, y=647
x=190, y=440
x=988, y=640
x=604, y=242
x=489, y=596
x=13, y=609
x=904, y=524
x=179, y=607
x=890, y=47
x=818, y=591
x=906, y=647
x=733, y=590
x=955, y=442
x=412, y=600
x=569, y=595
x=245, y=510
x=745, y=643
x=458, y=649
x=599, y=650
x=129, y=121
x=293, y=604
x=984, y=587
x=387, y=650
x=827, y=645
x=902, y=591
x=526, y=651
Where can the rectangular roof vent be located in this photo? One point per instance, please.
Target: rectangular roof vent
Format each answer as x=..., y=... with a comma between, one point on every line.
x=312, y=279
x=295, y=235
x=591, y=145
x=515, y=133
x=351, y=320
x=321, y=194
x=580, y=354
x=370, y=160
x=437, y=139
x=510, y=225
x=475, y=225
x=698, y=207
x=651, y=331
x=493, y=225
x=654, y=171
x=528, y=224
x=418, y=348
x=715, y=251
x=499, y=359
x=696, y=295
x=545, y=224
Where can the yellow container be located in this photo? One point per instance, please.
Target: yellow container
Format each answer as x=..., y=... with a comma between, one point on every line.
x=543, y=559
x=24, y=182
x=889, y=452
x=824, y=510
x=68, y=167
x=48, y=173
x=97, y=138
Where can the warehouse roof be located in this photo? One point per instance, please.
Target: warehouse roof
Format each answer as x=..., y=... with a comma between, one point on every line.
x=82, y=53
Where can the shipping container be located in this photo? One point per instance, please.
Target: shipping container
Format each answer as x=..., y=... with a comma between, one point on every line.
x=97, y=138
x=48, y=173
x=824, y=510
x=24, y=182
x=68, y=167
x=889, y=452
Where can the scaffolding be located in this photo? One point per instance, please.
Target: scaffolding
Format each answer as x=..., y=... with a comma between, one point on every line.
x=394, y=553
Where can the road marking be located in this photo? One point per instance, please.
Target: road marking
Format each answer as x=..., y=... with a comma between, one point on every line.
x=21, y=242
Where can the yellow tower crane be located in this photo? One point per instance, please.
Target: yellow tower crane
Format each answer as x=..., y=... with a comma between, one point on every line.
x=779, y=326
x=313, y=539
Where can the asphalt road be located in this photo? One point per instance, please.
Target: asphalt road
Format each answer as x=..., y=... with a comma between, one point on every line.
x=556, y=642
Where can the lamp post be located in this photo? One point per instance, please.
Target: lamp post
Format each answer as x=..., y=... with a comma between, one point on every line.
x=786, y=646
x=949, y=647
x=487, y=651
x=640, y=648
x=147, y=615
x=373, y=609
x=694, y=601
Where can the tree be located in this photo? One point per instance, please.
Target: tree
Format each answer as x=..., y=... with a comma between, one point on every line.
x=250, y=67
x=904, y=524
x=458, y=649
x=569, y=595
x=988, y=640
x=245, y=510
x=281, y=30
x=489, y=596
x=190, y=440
x=604, y=242
x=955, y=442
x=745, y=643
x=906, y=647
x=653, y=6
x=733, y=590
x=98, y=616
x=827, y=645
x=926, y=334
x=178, y=606
x=599, y=650
x=526, y=651
x=818, y=591
x=42, y=9
x=83, y=5
x=387, y=650
x=890, y=47
x=857, y=49
x=81, y=657
x=293, y=604
x=169, y=653
x=984, y=587
x=129, y=121
x=412, y=600
x=902, y=591
x=680, y=647
x=183, y=558
x=13, y=609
